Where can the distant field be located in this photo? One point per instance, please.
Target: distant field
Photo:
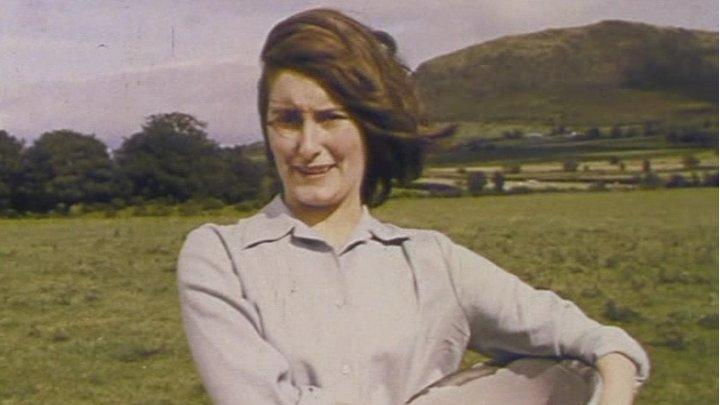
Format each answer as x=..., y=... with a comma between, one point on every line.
x=88, y=308
x=549, y=148
x=616, y=171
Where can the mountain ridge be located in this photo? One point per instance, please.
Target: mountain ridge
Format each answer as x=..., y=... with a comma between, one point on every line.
x=545, y=75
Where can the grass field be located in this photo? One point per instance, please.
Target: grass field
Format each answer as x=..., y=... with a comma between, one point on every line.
x=88, y=308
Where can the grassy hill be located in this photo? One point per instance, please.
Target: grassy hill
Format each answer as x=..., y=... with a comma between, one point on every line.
x=612, y=72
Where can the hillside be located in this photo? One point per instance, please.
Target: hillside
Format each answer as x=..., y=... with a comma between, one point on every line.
x=612, y=72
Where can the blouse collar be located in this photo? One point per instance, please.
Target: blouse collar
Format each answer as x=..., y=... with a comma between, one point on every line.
x=275, y=221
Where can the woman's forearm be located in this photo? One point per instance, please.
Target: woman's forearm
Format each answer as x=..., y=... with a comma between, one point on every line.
x=618, y=375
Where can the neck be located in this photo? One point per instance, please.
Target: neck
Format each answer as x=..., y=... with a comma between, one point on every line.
x=334, y=223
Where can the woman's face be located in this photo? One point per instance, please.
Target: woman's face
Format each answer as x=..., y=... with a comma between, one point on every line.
x=318, y=148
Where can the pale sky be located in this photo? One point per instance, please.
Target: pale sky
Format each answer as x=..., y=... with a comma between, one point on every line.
x=101, y=66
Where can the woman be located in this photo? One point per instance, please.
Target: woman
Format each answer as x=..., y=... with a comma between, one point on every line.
x=312, y=300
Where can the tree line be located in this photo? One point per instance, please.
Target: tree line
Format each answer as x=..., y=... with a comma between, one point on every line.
x=171, y=159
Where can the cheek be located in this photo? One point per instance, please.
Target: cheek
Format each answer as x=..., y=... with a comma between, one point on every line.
x=279, y=154
x=352, y=149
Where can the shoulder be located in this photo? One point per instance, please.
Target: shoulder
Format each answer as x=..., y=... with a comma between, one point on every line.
x=424, y=240
x=211, y=248
x=231, y=234
x=456, y=257
x=420, y=235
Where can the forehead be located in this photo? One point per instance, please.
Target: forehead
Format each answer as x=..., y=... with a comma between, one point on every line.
x=288, y=87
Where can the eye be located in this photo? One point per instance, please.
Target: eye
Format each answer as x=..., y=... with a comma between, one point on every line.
x=286, y=118
x=330, y=115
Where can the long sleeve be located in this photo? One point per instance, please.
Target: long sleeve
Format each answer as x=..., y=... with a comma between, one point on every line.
x=223, y=329
x=508, y=318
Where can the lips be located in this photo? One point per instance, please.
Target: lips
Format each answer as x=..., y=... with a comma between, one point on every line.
x=315, y=170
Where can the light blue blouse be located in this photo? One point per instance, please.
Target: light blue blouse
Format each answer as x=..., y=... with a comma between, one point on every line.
x=274, y=315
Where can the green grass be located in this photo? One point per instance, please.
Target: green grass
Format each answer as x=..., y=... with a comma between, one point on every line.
x=89, y=314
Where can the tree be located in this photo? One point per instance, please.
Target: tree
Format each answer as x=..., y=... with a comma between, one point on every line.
x=10, y=164
x=476, y=181
x=690, y=162
x=646, y=166
x=513, y=168
x=570, y=165
x=650, y=128
x=593, y=133
x=513, y=134
x=65, y=167
x=498, y=181
x=616, y=131
x=242, y=177
x=173, y=158
x=170, y=158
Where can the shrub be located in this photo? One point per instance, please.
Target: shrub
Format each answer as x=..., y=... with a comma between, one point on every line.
x=570, y=165
x=211, y=203
x=650, y=128
x=9, y=213
x=710, y=179
x=695, y=179
x=139, y=211
x=598, y=186
x=190, y=208
x=157, y=209
x=118, y=203
x=675, y=181
x=520, y=190
x=514, y=134
x=498, y=181
x=408, y=193
x=593, y=133
x=513, y=168
x=690, y=162
x=476, y=182
x=250, y=205
x=650, y=180
x=77, y=209
x=709, y=321
x=137, y=200
x=646, y=166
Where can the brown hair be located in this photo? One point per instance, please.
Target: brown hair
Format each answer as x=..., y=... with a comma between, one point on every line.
x=359, y=68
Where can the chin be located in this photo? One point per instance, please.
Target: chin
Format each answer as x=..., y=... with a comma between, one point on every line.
x=318, y=199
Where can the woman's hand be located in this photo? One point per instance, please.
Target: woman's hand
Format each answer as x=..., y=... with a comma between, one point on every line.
x=618, y=375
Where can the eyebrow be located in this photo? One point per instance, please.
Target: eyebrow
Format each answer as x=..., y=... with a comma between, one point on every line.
x=288, y=107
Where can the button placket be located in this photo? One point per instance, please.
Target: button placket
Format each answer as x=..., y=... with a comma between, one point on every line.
x=346, y=369
x=347, y=315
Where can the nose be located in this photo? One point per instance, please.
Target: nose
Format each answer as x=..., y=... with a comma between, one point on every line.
x=310, y=137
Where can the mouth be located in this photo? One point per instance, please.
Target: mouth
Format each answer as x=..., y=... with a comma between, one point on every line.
x=313, y=171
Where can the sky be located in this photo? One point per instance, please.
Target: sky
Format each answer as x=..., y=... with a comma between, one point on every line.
x=100, y=67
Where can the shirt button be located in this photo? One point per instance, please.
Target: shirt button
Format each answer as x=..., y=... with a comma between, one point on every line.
x=339, y=303
x=345, y=370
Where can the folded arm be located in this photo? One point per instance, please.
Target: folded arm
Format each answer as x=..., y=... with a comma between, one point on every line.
x=224, y=332
x=509, y=319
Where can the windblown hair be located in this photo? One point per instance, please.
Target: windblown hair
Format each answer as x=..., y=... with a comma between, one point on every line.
x=359, y=68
